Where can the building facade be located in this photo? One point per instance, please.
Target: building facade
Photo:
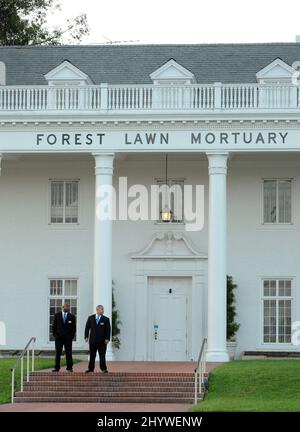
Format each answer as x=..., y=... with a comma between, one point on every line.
x=221, y=122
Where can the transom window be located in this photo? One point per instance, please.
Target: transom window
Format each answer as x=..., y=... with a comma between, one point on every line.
x=277, y=310
x=277, y=206
x=172, y=196
x=62, y=291
x=64, y=201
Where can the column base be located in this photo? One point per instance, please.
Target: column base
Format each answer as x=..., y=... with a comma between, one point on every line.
x=217, y=356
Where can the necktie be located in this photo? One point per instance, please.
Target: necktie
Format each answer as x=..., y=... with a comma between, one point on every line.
x=65, y=317
x=97, y=319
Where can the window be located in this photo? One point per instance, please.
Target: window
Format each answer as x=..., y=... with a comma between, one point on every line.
x=64, y=201
x=277, y=310
x=172, y=196
x=277, y=204
x=62, y=291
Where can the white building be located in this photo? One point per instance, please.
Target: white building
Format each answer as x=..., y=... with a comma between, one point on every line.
x=228, y=117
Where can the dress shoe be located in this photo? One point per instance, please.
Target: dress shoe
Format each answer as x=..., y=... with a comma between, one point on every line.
x=89, y=371
x=69, y=370
x=105, y=371
x=55, y=370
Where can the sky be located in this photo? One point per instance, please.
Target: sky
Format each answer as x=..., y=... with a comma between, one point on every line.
x=186, y=21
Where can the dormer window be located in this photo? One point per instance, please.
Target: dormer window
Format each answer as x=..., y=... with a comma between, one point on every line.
x=277, y=72
x=2, y=73
x=172, y=73
x=66, y=74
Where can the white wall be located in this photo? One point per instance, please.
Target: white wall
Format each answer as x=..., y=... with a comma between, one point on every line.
x=256, y=251
x=31, y=251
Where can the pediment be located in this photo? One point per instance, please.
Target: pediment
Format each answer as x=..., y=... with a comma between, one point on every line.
x=66, y=71
x=172, y=71
x=171, y=244
x=276, y=70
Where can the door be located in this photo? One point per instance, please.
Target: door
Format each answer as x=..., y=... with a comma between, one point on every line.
x=169, y=318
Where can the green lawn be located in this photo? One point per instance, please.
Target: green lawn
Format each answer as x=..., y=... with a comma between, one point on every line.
x=5, y=374
x=253, y=385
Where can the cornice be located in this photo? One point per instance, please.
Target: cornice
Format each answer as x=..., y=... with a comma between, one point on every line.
x=166, y=123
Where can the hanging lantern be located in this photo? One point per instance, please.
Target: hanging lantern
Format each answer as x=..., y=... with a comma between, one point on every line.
x=166, y=213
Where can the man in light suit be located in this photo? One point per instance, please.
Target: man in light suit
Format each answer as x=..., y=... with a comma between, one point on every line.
x=64, y=329
x=97, y=333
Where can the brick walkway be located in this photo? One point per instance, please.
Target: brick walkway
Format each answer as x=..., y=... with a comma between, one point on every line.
x=116, y=366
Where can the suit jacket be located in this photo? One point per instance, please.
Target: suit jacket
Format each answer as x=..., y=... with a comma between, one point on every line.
x=97, y=333
x=59, y=328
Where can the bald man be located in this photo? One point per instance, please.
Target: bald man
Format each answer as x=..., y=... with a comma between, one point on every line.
x=64, y=329
x=97, y=333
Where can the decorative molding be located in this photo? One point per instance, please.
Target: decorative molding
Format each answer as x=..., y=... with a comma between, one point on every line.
x=259, y=123
x=169, y=245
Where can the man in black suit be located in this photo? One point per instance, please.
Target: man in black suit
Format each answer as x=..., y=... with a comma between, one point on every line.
x=97, y=333
x=64, y=329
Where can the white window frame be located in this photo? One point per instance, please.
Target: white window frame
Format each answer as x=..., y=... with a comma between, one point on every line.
x=277, y=224
x=64, y=278
x=277, y=297
x=171, y=182
x=64, y=223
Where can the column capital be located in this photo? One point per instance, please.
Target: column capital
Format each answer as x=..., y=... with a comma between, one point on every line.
x=104, y=163
x=217, y=162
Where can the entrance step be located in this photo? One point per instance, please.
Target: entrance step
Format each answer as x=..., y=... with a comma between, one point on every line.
x=112, y=387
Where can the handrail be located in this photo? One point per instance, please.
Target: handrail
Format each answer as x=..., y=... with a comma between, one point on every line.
x=26, y=350
x=200, y=369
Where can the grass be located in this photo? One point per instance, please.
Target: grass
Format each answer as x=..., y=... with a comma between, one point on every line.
x=5, y=374
x=254, y=385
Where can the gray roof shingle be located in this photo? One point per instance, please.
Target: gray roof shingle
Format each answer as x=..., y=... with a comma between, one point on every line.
x=132, y=64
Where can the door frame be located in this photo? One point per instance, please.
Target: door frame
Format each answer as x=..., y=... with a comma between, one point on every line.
x=189, y=312
x=198, y=301
x=169, y=253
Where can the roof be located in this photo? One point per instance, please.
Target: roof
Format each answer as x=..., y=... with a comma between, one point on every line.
x=132, y=64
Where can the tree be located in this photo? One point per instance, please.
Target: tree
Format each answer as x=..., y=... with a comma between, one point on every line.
x=24, y=22
x=232, y=326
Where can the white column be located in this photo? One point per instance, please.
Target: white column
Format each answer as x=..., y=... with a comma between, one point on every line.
x=0, y=162
x=102, y=289
x=217, y=226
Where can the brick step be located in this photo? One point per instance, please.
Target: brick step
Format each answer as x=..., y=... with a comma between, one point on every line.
x=108, y=378
x=110, y=374
x=105, y=388
x=112, y=387
x=116, y=399
x=107, y=395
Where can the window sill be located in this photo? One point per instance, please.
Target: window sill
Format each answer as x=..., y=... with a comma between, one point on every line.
x=277, y=226
x=277, y=346
x=169, y=223
x=60, y=226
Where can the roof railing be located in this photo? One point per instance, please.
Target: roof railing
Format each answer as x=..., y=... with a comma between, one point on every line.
x=107, y=98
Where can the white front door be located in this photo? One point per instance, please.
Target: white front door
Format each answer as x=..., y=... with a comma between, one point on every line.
x=169, y=318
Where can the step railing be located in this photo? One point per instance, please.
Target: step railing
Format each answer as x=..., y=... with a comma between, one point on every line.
x=108, y=98
x=200, y=370
x=26, y=351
